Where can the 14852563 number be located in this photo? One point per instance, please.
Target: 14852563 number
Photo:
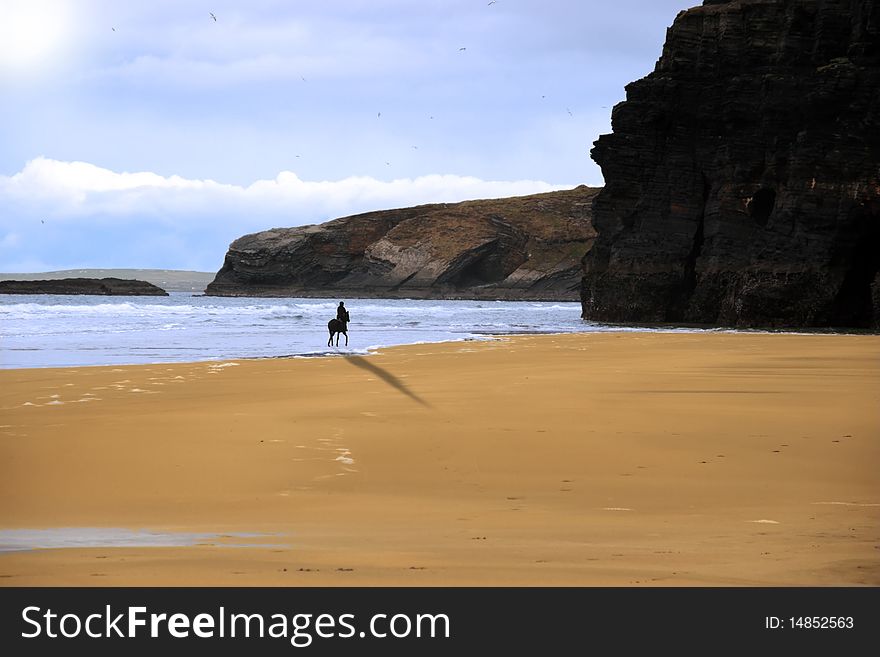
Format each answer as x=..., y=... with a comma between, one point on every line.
x=821, y=622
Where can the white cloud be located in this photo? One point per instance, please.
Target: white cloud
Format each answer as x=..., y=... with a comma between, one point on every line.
x=89, y=213
x=77, y=189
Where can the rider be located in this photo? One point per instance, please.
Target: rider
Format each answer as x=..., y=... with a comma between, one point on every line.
x=342, y=315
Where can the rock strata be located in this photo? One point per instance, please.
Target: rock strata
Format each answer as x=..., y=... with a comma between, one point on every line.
x=97, y=286
x=743, y=173
x=516, y=248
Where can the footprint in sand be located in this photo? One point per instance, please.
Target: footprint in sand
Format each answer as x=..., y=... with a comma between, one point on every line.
x=344, y=456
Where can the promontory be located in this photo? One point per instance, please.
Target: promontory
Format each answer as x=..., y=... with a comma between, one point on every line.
x=524, y=248
x=96, y=286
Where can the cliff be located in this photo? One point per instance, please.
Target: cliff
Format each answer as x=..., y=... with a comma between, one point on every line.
x=525, y=247
x=99, y=286
x=743, y=174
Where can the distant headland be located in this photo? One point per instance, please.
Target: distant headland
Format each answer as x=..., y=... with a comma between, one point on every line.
x=171, y=280
x=96, y=286
x=521, y=248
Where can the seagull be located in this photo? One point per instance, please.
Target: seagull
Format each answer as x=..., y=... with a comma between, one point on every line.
x=569, y=112
x=491, y=3
x=379, y=115
x=460, y=49
x=113, y=28
x=213, y=16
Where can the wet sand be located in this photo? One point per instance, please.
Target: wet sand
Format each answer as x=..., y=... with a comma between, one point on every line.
x=622, y=459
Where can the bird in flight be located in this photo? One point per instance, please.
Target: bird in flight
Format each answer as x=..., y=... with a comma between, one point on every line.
x=213, y=16
x=492, y=2
x=460, y=49
x=569, y=112
x=113, y=28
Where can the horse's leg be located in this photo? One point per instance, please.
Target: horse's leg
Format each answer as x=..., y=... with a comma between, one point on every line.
x=346, y=339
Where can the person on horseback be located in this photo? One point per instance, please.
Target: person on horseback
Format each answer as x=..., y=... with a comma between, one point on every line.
x=342, y=315
x=338, y=325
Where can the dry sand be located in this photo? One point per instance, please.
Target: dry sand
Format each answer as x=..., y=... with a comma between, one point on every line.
x=595, y=459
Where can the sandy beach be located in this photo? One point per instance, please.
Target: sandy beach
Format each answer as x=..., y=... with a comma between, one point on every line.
x=622, y=459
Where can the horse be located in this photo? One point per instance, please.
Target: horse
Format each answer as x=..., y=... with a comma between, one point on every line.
x=336, y=327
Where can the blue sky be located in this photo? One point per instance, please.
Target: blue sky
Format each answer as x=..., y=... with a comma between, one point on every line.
x=148, y=134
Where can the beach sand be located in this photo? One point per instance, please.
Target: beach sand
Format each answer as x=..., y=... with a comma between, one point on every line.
x=619, y=459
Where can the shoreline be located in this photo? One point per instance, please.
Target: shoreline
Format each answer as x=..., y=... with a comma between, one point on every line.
x=572, y=459
x=483, y=336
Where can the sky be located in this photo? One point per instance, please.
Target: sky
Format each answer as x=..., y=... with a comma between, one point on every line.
x=152, y=133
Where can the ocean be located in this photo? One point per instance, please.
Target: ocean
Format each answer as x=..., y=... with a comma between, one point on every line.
x=64, y=331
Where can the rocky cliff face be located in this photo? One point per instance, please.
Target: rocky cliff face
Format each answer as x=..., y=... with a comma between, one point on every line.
x=98, y=286
x=743, y=174
x=518, y=248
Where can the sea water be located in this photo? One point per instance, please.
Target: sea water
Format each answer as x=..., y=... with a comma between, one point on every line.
x=63, y=331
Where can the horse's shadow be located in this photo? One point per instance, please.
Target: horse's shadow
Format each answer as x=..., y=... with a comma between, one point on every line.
x=386, y=376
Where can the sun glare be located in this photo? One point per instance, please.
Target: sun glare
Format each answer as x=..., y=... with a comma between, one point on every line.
x=31, y=33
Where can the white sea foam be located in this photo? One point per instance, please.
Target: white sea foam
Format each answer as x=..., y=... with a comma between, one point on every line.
x=55, y=331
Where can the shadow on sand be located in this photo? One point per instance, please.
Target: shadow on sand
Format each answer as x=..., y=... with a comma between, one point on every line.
x=387, y=377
